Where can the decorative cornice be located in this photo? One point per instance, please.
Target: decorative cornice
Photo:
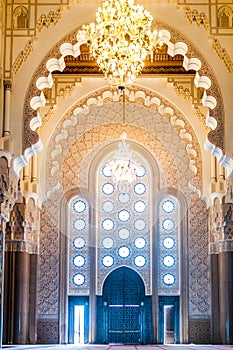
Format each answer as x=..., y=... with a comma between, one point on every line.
x=197, y=17
x=22, y=56
x=223, y=55
x=44, y=21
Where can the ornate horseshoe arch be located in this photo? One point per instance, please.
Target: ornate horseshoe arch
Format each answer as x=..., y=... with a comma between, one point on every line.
x=58, y=64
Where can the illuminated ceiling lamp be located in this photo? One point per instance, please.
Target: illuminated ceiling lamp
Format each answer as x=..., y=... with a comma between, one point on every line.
x=120, y=40
x=124, y=167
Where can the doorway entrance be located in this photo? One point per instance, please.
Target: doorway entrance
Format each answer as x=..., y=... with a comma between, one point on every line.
x=124, y=308
x=169, y=320
x=78, y=320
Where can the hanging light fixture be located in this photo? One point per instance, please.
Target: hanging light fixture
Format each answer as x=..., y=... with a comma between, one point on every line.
x=120, y=40
x=124, y=167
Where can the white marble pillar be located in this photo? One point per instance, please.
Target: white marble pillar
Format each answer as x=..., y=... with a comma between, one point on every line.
x=7, y=108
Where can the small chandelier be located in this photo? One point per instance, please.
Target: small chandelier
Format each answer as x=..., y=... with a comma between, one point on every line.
x=120, y=40
x=124, y=166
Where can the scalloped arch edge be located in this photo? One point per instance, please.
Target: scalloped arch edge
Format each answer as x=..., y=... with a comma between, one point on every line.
x=223, y=160
x=74, y=50
x=22, y=161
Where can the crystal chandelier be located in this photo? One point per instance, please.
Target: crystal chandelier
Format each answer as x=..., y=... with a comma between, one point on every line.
x=124, y=166
x=120, y=40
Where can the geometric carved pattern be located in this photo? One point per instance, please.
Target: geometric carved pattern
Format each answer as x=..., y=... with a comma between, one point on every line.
x=216, y=221
x=221, y=225
x=9, y=184
x=17, y=221
x=228, y=221
x=199, y=331
x=170, y=170
x=106, y=113
x=48, y=331
x=198, y=17
x=48, y=292
x=199, y=283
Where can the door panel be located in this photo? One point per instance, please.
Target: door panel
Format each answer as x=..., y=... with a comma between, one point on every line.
x=132, y=323
x=124, y=324
x=124, y=298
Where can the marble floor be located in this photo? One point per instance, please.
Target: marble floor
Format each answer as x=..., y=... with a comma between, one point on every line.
x=118, y=347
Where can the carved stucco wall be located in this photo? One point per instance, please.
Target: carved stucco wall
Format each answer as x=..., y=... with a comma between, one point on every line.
x=48, y=281
x=76, y=141
x=84, y=122
x=199, y=292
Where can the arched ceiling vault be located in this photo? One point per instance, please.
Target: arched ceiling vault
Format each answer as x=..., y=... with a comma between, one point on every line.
x=97, y=119
x=43, y=81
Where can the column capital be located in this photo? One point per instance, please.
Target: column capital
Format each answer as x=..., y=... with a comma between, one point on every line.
x=7, y=85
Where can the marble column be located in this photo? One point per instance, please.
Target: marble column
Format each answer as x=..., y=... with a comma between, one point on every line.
x=214, y=278
x=225, y=268
x=2, y=238
x=7, y=108
x=21, y=305
x=32, y=333
x=9, y=285
x=92, y=298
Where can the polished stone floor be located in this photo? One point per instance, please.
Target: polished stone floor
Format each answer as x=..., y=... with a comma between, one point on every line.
x=118, y=347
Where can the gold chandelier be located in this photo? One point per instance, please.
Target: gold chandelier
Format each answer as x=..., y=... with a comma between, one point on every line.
x=121, y=39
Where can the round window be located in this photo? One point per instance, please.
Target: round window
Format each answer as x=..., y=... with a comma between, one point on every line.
x=169, y=279
x=79, y=224
x=168, y=206
x=108, y=188
x=79, y=279
x=79, y=206
x=123, y=252
x=107, y=260
x=140, y=260
x=79, y=242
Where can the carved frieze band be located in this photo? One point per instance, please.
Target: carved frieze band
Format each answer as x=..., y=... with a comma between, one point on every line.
x=21, y=246
x=220, y=247
x=22, y=25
